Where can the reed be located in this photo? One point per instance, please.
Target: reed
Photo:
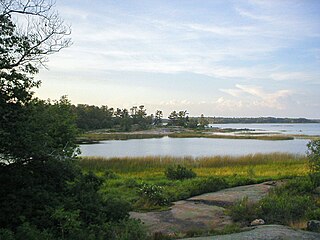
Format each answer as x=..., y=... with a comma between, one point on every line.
x=255, y=137
x=266, y=165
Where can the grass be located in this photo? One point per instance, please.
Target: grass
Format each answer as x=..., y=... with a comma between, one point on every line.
x=95, y=137
x=256, y=137
x=263, y=165
x=213, y=173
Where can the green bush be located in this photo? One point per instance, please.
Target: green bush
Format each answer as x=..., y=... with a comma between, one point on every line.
x=314, y=214
x=30, y=232
x=109, y=174
x=179, y=173
x=244, y=211
x=6, y=234
x=153, y=194
x=296, y=186
x=314, y=161
x=284, y=208
x=211, y=184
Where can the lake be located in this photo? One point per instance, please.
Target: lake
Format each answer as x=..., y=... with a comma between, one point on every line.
x=290, y=128
x=197, y=147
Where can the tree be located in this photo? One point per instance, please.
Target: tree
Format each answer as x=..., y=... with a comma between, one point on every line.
x=203, y=122
x=158, y=117
x=23, y=49
x=313, y=154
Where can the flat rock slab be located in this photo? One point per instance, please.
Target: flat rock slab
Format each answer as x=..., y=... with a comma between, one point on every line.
x=201, y=212
x=230, y=196
x=266, y=232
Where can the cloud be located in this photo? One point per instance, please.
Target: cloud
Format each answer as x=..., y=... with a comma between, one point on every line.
x=257, y=96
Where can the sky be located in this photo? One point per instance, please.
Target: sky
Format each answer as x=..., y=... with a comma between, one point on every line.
x=241, y=58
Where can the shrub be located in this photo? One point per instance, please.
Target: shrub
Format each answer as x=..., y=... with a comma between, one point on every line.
x=243, y=211
x=109, y=174
x=284, y=208
x=211, y=184
x=179, y=173
x=314, y=214
x=296, y=186
x=129, y=229
x=314, y=161
x=153, y=194
x=6, y=234
x=117, y=209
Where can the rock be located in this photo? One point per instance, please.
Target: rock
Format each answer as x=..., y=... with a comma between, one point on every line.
x=313, y=225
x=257, y=222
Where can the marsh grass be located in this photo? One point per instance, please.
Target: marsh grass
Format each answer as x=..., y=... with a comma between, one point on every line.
x=255, y=137
x=94, y=137
x=255, y=165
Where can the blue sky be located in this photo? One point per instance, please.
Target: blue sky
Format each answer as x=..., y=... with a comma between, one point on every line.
x=219, y=58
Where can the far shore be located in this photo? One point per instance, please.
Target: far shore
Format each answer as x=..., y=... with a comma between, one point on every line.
x=180, y=132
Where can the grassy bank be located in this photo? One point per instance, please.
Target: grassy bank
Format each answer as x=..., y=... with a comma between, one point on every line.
x=96, y=137
x=256, y=137
x=125, y=177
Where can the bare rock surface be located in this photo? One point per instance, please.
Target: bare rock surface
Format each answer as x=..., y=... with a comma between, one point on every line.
x=266, y=232
x=206, y=211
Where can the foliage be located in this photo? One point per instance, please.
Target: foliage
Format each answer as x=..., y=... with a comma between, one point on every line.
x=91, y=117
x=243, y=211
x=153, y=194
x=314, y=160
x=210, y=184
x=179, y=172
x=284, y=208
x=287, y=203
x=45, y=130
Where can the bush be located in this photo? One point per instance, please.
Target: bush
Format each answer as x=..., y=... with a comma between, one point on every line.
x=6, y=234
x=179, y=173
x=129, y=229
x=296, y=186
x=211, y=184
x=284, y=208
x=153, y=194
x=244, y=211
x=314, y=161
x=109, y=174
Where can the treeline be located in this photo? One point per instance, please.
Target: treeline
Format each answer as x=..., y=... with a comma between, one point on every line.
x=213, y=120
x=90, y=117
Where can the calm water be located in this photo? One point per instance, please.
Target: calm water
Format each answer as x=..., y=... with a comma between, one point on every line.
x=197, y=147
x=194, y=147
x=299, y=128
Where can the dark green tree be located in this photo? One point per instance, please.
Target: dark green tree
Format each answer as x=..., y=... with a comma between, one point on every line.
x=22, y=51
x=314, y=161
x=158, y=117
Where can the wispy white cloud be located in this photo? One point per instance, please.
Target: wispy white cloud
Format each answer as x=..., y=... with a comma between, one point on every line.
x=261, y=97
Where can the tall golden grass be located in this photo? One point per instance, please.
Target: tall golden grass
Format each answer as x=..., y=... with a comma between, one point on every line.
x=264, y=165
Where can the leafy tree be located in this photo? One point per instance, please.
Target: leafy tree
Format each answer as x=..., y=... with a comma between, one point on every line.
x=203, y=122
x=158, y=117
x=314, y=160
x=22, y=51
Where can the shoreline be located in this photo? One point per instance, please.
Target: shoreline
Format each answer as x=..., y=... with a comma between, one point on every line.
x=96, y=136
